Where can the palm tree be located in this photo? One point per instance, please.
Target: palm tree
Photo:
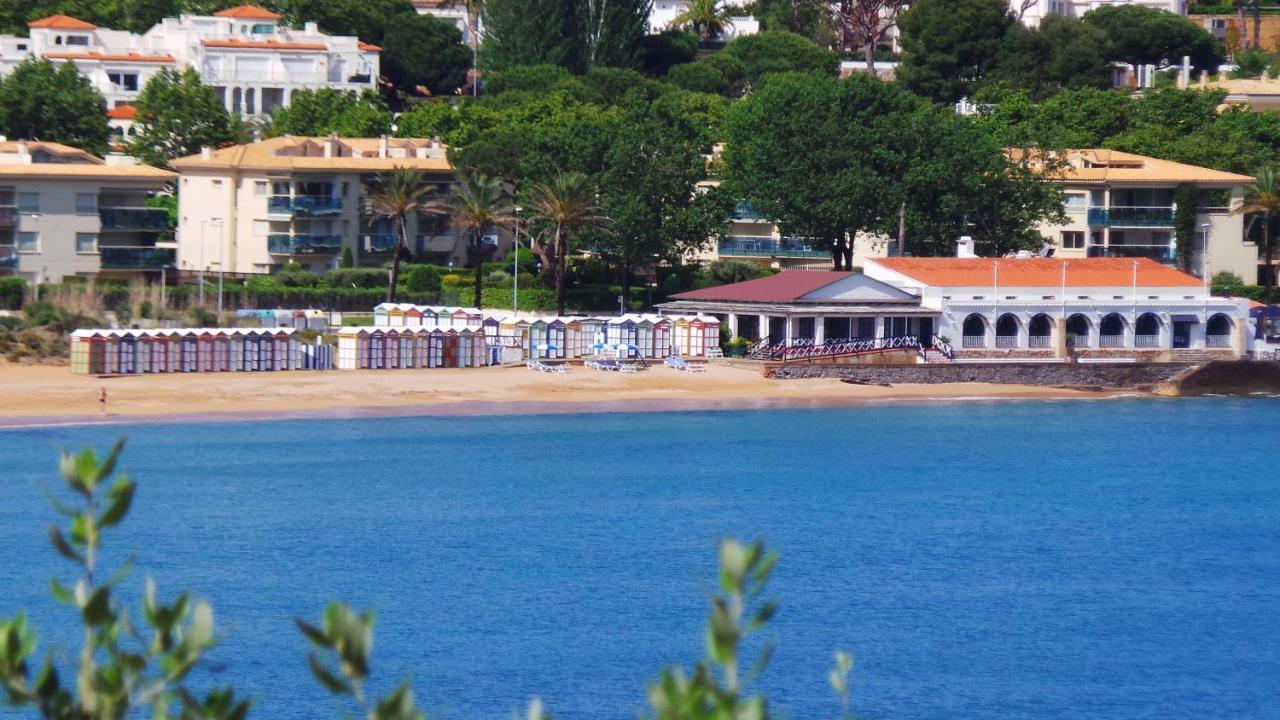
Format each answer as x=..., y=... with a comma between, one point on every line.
x=1262, y=199
x=478, y=204
x=564, y=206
x=707, y=17
x=397, y=194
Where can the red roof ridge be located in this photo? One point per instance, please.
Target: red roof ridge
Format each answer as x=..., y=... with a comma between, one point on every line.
x=786, y=286
x=122, y=112
x=63, y=22
x=248, y=12
x=1037, y=272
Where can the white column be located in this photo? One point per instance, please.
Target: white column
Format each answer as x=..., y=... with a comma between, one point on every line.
x=819, y=329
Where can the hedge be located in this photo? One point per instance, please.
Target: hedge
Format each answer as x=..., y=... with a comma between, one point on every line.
x=12, y=290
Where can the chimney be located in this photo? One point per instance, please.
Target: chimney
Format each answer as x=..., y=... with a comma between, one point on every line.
x=331, y=146
x=311, y=29
x=964, y=247
x=382, y=146
x=24, y=152
x=206, y=153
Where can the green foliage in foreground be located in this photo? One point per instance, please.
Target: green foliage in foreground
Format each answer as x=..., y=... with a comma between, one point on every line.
x=122, y=668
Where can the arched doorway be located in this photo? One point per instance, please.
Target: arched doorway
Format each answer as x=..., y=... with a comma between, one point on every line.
x=1078, y=331
x=1007, y=327
x=1147, y=331
x=1111, y=331
x=975, y=331
x=1217, y=332
x=1040, y=332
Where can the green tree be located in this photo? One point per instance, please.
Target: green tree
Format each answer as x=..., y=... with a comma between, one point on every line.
x=814, y=21
x=777, y=52
x=39, y=102
x=533, y=32
x=477, y=204
x=1262, y=201
x=615, y=32
x=398, y=194
x=707, y=18
x=665, y=50
x=948, y=46
x=176, y=116
x=1062, y=53
x=366, y=19
x=1186, y=202
x=422, y=50
x=327, y=111
x=1145, y=36
x=563, y=207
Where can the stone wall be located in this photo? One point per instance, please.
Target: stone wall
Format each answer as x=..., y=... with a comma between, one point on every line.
x=1231, y=378
x=1102, y=375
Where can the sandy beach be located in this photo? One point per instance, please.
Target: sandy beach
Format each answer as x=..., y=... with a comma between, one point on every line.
x=40, y=394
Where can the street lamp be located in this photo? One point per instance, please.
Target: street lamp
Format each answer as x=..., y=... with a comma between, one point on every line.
x=200, y=266
x=222, y=260
x=515, y=266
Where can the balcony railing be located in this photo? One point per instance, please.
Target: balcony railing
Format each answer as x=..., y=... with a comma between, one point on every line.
x=1159, y=253
x=1128, y=216
x=1146, y=341
x=304, y=244
x=1039, y=341
x=8, y=257
x=134, y=218
x=973, y=341
x=8, y=217
x=1006, y=341
x=377, y=242
x=1217, y=341
x=1078, y=341
x=136, y=258
x=1110, y=341
x=305, y=204
x=768, y=247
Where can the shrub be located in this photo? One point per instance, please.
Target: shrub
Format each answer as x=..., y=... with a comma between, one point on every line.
x=452, y=282
x=423, y=278
x=738, y=347
x=348, y=259
x=12, y=290
x=359, y=277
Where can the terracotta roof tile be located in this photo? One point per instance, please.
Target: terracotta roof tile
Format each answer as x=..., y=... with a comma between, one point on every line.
x=100, y=57
x=248, y=12
x=62, y=22
x=1037, y=272
x=263, y=45
x=786, y=286
x=282, y=153
x=1099, y=165
x=368, y=47
x=122, y=112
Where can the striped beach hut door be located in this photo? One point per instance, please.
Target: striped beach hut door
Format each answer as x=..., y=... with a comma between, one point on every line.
x=437, y=348
x=128, y=354
x=143, y=353
x=377, y=350
x=266, y=346
x=556, y=339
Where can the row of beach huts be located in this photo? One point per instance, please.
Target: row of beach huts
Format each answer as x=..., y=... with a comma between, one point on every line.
x=132, y=352
x=403, y=336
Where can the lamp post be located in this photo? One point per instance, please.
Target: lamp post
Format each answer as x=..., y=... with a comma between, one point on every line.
x=515, y=266
x=1204, y=253
x=222, y=260
x=201, y=265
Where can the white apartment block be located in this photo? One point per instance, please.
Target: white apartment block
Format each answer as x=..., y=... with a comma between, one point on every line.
x=453, y=12
x=665, y=11
x=65, y=213
x=253, y=63
x=1032, y=12
x=1117, y=205
x=254, y=208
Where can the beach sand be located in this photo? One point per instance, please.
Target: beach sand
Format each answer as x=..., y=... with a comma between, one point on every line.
x=40, y=394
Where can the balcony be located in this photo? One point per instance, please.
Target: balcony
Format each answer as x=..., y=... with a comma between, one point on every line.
x=1122, y=216
x=1159, y=253
x=768, y=247
x=304, y=244
x=136, y=258
x=377, y=242
x=155, y=219
x=8, y=257
x=435, y=243
x=305, y=205
x=8, y=217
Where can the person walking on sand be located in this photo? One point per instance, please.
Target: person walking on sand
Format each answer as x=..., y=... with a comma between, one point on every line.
x=102, y=400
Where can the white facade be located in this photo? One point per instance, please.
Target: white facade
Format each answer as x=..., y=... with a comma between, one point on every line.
x=253, y=63
x=1032, y=12
x=665, y=11
x=453, y=12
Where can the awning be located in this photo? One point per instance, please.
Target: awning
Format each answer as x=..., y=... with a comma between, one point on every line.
x=1185, y=318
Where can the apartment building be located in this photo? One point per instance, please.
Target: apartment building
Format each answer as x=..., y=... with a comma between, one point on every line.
x=666, y=11
x=255, y=208
x=1117, y=205
x=66, y=213
x=253, y=62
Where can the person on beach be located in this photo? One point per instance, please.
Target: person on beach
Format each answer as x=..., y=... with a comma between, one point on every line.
x=102, y=400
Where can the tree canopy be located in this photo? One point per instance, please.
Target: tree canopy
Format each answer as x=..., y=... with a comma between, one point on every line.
x=176, y=116
x=949, y=45
x=328, y=111
x=422, y=50
x=40, y=102
x=1141, y=35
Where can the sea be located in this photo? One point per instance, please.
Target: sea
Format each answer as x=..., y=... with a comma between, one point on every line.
x=1068, y=559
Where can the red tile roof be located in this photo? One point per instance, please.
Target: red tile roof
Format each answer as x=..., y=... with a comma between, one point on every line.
x=1037, y=272
x=262, y=45
x=62, y=22
x=122, y=112
x=786, y=286
x=248, y=12
x=99, y=57
x=368, y=47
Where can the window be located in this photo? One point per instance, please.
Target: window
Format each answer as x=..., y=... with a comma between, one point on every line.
x=124, y=81
x=1098, y=198
x=280, y=188
x=82, y=40
x=217, y=183
x=1073, y=202
x=86, y=203
x=260, y=187
x=28, y=242
x=261, y=227
x=86, y=243
x=866, y=327
x=1072, y=239
x=29, y=202
x=22, y=46
x=346, y=188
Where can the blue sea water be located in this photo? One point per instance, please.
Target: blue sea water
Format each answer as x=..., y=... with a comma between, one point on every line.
x=1006, y=560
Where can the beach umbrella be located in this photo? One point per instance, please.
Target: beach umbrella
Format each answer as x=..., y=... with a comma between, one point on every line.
x=545, y=346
